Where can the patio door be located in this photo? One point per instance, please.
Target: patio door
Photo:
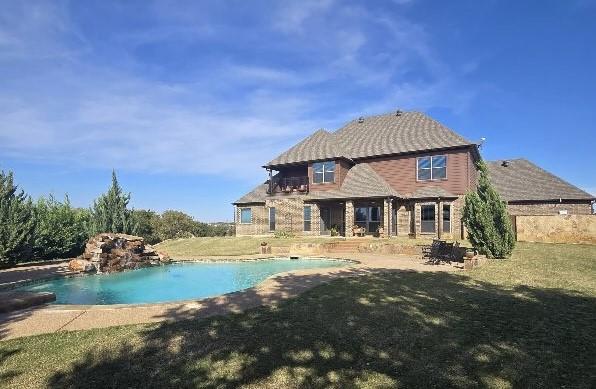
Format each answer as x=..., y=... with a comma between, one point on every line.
x=325, y=220
x=368, y=218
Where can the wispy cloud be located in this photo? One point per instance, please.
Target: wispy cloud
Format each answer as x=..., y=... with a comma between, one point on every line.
x=198, y=92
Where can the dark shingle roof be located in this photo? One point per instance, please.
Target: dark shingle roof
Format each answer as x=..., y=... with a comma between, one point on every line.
x=257, y=195
x=376, y=135
x=361, y=181
x=430, y=192
x=522, y=180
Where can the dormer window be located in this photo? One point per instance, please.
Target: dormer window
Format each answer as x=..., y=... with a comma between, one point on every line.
x=323, y=172
x=431, y=168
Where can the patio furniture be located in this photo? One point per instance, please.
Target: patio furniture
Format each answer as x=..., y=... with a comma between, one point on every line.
x=358, y=231
x=440, y=251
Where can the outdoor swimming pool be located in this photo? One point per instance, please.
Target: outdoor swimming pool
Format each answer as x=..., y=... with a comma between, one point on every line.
x=177, y=281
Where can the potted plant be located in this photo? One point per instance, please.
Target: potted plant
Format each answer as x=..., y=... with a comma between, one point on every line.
x=470, y=253
x=334, y=230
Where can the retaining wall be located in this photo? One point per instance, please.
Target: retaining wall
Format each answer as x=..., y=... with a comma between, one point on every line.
x=556, y=228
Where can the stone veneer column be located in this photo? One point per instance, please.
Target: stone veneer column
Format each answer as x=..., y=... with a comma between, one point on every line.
x=349, y=218
x=439, y=214
x=315, y=219
x=387, y=214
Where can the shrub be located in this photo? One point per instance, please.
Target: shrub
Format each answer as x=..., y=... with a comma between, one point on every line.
x=60, y=230
x=283, y=234
x=109, y=212
x=176, y=224
x=146, y=223
x=16, y=222
x=485, y=216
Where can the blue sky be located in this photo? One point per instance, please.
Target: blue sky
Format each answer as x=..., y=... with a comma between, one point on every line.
x=187, y=99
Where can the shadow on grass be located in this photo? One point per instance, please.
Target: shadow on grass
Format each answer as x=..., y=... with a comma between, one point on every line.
x=383, y=329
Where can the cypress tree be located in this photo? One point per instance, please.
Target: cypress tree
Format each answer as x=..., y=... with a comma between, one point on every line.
x=485, y=216
x=109, y=212
x=16, y=222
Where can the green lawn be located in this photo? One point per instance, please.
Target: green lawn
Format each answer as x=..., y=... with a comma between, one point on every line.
x=526, y=322
x=185, y=248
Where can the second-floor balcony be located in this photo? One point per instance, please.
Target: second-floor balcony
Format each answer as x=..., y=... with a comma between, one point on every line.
x=296, y=184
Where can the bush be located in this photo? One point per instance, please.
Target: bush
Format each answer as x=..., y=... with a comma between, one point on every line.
x=176, y=224
x=146, y=223
x=283, y=234
x=60, y=230
x=485, y=216
x=16, y=222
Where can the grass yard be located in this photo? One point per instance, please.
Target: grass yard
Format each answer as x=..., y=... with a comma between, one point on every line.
x=220, y=246
x=246, y=245
x=524, y=322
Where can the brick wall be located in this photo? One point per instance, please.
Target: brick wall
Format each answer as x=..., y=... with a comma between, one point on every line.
x=549, y=208
x=259, y=224
x=289, y=214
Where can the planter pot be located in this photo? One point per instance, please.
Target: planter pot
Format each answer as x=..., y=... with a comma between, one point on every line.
x=469, y=254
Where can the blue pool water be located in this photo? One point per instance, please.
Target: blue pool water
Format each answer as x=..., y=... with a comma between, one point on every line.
x=178, y=281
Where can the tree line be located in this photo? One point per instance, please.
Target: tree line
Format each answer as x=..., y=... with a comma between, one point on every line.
x=49, y=229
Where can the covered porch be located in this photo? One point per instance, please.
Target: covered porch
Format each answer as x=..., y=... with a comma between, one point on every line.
x=387, y=217
x=343, y=218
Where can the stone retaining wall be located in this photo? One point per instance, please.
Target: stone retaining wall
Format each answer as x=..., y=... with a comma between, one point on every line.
x=557, y=229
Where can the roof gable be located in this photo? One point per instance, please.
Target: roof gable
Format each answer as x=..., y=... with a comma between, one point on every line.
x=522, y=180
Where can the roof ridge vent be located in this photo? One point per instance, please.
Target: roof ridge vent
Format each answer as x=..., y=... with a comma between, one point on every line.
x=398, y=112
x=506, y=163
x=360, y=119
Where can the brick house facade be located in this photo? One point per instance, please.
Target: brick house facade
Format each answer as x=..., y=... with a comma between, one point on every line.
x=401, y=174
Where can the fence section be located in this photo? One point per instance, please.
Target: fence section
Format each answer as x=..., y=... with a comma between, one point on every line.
x=556, y=228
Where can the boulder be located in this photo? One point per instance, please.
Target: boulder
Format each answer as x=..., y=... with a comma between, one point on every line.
x=81, y=265
x=110, y=252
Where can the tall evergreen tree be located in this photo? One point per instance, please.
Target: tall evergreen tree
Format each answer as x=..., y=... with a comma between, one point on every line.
x=16, y=222
x=110, y=212
x=485, y=216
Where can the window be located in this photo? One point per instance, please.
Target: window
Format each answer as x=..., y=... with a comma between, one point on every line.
x=427, y=218
x=374, y=220
x=447, y=218
x=307, y=218
x=323, y=172
x=272, y=219
x=368, y=218
x=361, y=216
x=432, y=168
x=245, y=215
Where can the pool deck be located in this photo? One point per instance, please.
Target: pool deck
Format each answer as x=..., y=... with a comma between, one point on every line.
x=278, y=287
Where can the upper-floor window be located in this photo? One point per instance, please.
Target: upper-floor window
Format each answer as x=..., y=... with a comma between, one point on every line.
x=323, y=172
x=432, y=168
x=245, y=215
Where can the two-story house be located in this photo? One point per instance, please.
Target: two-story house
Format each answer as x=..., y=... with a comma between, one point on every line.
x=403, y=172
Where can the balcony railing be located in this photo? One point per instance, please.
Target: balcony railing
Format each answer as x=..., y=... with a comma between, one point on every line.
x=291, y=185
